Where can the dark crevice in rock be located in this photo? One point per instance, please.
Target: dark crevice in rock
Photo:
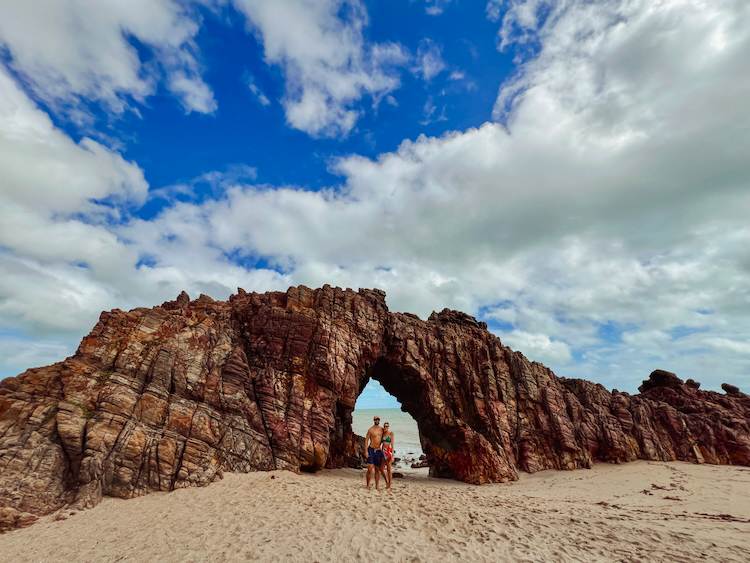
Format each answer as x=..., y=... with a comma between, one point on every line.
x=262, y=415
x=178, y=466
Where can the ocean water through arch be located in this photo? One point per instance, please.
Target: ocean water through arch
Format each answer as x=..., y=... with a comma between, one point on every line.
x=375, y=400
x=403, y=426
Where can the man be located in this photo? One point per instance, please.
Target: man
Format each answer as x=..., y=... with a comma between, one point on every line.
x=374, y=453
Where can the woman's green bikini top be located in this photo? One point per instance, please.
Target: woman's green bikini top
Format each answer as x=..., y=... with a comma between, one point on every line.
x=387, y=439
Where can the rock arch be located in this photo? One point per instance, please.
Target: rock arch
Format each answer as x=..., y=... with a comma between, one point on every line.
x=168, y=397
x=450, y=447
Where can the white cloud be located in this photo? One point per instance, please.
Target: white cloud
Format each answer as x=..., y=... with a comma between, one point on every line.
x=48, y=182
x=645, y=339
x=193, y=92
x=326, y=61
x=44, y=170
x=259, y=95
x=727, y=344
x=68, y=50
x=435, y=7
x=214, y=183
x=522, y=19
x=429, y=61
x=430, y=112
x=538, y=347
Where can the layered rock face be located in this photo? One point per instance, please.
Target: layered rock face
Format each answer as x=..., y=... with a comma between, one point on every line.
x=169, y=397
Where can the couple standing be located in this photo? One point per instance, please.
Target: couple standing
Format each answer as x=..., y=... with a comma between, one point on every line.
x=379, y=450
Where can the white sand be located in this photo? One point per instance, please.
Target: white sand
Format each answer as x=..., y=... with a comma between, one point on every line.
x=585, y=515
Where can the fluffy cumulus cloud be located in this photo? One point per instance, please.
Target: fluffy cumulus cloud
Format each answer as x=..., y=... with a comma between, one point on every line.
x=61, y=257
x=327, y=63
x=540, y=347
x=47, y=181
x=598, y=222
x=69, y=50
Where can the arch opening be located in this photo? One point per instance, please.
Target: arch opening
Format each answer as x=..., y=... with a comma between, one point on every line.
x=403, y=394
x=436, y=436
x=374, y=400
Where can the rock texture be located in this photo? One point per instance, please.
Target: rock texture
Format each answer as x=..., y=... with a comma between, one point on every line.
x=168, y=397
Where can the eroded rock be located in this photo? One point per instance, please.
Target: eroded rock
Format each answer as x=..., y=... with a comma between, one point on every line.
x=731, y=389
x=169, y=397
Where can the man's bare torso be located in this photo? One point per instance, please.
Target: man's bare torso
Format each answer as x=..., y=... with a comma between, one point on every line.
x=375, y=435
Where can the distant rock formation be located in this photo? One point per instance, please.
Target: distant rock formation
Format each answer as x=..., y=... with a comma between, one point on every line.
x=169, y=397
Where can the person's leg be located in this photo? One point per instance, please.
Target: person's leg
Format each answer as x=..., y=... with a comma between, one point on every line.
x=378, y=471
x=389, y=475
x=369, y=474
x=381, y=470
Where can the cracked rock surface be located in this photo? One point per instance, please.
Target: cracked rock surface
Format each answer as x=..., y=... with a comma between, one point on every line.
x=168, y=397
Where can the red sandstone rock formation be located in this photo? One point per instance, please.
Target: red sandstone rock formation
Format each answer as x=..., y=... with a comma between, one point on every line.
x=169, y=397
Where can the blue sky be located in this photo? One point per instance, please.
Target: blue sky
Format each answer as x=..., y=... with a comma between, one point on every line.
x=574, y=173
x=375, y=397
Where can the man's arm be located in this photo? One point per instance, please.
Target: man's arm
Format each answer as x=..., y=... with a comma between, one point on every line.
x=367, y=443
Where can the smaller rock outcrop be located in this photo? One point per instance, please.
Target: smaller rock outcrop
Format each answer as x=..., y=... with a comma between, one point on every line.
x=731, y=389
x=661, y=378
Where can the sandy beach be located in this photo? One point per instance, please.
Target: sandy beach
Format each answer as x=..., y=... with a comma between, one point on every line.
x=637, y=511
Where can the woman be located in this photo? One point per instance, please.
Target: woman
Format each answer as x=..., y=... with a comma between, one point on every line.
x=388, y=442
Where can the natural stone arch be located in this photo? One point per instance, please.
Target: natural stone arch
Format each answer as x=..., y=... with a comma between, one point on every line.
x=169, y=397
x=454, y=449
